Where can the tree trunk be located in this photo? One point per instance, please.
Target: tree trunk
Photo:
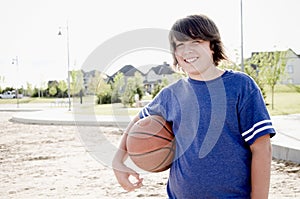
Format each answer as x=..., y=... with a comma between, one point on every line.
x=273, y=97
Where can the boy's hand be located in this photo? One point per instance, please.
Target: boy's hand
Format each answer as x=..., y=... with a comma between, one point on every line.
x=123, y=173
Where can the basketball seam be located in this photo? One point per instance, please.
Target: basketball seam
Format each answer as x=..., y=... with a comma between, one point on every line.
x=170, y=148
x=170, y=132
x=144, y=133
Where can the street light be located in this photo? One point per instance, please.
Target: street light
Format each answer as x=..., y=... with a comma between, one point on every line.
x=242, y=42
x=16, y=61
x=68, y=54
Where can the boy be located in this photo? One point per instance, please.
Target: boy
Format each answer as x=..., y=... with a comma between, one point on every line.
x=219, y=119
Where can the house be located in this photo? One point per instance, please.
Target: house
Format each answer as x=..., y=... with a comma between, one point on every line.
x=156, y=74
x=128, y=71
x=153, y=76
x=292, y=69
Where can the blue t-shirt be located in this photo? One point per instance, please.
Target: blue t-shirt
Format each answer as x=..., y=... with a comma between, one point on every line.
x=214, y=123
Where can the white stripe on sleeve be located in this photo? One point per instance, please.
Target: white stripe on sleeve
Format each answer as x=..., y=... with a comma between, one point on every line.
x=257, y=131
x=145, y=112
x=255, y=125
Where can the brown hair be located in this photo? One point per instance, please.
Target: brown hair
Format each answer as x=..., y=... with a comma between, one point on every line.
x=197, y=27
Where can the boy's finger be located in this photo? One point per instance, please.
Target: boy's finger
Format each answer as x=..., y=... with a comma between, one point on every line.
x=136, y=175
x=130, y=187
x=139, y=184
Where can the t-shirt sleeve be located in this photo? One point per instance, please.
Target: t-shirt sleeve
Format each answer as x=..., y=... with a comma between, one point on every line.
x=254, y=118
x=157, y=106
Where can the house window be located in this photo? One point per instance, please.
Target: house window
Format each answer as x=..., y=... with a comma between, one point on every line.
x=290, y=69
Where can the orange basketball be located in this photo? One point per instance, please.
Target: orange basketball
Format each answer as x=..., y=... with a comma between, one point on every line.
x=151, y=144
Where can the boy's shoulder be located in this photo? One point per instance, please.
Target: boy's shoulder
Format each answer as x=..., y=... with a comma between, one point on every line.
x=240, y=81
x=238, y=76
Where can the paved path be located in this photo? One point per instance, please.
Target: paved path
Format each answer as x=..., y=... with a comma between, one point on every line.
x=286, y=144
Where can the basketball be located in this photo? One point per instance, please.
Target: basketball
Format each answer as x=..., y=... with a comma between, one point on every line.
x=151, y=144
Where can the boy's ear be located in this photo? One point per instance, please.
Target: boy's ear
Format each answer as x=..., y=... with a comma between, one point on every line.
x=212, y=46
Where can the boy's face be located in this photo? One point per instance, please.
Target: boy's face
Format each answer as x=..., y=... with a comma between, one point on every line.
x=194, y=56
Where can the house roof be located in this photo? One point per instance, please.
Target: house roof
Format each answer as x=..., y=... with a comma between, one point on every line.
x=298, y=55
x=127, y=70
x=164, y=69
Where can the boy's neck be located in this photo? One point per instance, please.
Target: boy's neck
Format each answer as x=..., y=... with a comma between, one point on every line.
x=210, y=74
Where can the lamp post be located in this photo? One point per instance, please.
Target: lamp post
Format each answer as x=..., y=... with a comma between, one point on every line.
x=242, y=43
x=16, y=61
x=68, y=55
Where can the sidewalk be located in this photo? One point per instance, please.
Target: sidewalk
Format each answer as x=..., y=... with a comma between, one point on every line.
x=286, y=143
x=61, y=116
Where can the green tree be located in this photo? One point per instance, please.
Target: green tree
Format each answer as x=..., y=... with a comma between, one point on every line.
x=103, y=92
x=2, y=80
x=117, y=87
x=139, y=86
x=29, y=89
x=159, y=86
x=272, y=67
x=253, y=71
x=43, y=87
x=62, y=86
x=94, y=83
x=134, y=86
x=52, y=90
x=128, y=95
x=76, y=81
x=229, y=65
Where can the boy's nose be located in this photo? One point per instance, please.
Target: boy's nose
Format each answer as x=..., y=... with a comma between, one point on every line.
x=188, y=49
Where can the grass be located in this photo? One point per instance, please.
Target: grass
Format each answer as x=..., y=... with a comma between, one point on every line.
x=286, y=101
x=89, y=107
x=286, y=89
x=27, y=100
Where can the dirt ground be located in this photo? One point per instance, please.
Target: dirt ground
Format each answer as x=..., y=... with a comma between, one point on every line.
x=47, y=161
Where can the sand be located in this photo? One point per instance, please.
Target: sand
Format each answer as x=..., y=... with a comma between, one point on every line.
x=47, y=161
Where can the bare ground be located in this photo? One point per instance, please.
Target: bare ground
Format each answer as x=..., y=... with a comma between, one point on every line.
x=46, y=161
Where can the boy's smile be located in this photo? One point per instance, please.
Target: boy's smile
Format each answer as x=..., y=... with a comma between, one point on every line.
x=190, y=60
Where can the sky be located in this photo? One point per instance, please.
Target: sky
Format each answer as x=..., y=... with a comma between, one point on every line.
x=29, y=31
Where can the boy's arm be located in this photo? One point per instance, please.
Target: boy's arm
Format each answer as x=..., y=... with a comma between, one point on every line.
x=122, y=172
x=261, y=167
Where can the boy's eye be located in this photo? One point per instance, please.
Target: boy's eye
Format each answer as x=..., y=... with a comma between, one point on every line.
x=179, y=45
x=198, y=41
